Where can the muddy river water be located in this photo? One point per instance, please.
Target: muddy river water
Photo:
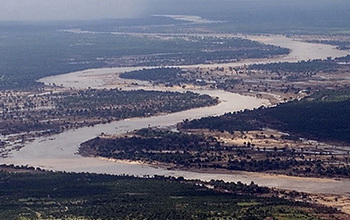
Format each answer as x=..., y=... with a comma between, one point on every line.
x=58, y=152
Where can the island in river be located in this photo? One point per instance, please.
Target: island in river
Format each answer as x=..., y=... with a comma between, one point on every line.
x=58, y=152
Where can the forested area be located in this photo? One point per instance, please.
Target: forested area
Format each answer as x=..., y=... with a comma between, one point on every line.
x=60, y=111
x=344, y=59
x=208, y=56
x=342, y=45
x=205, y=35
x=26, y=117
x=199, y=151
x=93, y=196
x=152, y=145
x=30, y=52
x=120, y=104
x=310, y=66
x=157, y=74
x=323, y=116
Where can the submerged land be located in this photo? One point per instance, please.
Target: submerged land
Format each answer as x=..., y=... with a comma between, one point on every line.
x=180, y=99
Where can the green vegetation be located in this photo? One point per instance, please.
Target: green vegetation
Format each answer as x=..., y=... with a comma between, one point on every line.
x=229, y=122
x=177, y=76
x=91, y=196
x=342, y=45
x=158, y=74
x=56, y=112
x=121, y=104
x=200, y=151
x=344, y=59
x=331, y=95
x=323, y=116
x=28, y=55
x=152, y=145
x=30, y=52
x=299, y=67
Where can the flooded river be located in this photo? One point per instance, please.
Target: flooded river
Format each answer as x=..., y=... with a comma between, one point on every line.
x=58, y=152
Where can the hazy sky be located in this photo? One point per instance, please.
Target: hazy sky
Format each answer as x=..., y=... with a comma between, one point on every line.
x=17, y=10
x=69, y=9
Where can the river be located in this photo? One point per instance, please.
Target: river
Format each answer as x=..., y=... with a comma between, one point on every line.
x=58, y=152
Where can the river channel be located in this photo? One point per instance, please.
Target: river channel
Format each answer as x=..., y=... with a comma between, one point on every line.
x=58, y=152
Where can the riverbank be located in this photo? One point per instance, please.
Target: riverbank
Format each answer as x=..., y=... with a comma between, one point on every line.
x=109, y=77
x=58, y=152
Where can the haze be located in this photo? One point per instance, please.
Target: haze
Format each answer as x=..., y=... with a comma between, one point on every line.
x=42, y=10
x=19, y=10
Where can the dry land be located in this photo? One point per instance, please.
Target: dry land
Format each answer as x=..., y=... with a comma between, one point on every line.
x=26, y=115
x=59, y=108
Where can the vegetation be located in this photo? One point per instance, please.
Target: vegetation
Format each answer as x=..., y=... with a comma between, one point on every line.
x=344, y=59
x=311, y=17
x=177, y=76
x=202, y=151
x=92, y=196
x=299, y=67
x=158, y=74
x=48, y=113
x=342, y=45
x=121, y=104
x=30, y=52
x=62, y=110
x=323, y=116
x=211, y=56
x=151, y=145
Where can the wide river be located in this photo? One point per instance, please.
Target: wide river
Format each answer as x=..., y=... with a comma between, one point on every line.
x=58, y=152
